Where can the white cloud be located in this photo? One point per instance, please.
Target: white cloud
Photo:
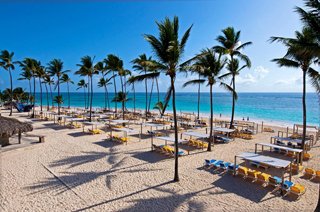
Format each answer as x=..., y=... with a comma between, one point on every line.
x=247, y=79
x=261, y=72
x=290, y=81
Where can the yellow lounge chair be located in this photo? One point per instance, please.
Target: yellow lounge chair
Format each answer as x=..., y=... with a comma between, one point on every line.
x=308, y=172
x=291, y=154
x=296, y=168
x=297, y=189
x=252, y=174
x=95, y=131
x=318, y=174
x=263, y=178
x=307, y=156
x=243, y=171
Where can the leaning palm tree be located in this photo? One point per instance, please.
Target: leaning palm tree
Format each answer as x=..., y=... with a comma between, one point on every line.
x=295, y=58
x=169, y=50
x=113, y=64
x=82, y=84
x=131, y=81
x=121, y=98
x=230, y=45
x=27, y=75
x=29, y=64
x=7, y=64
x=144, y=65
x=46, y=80
x=103, y=83
x=40, y=74
x=208, y=66
x=55, y=68
x=66, y=79
x=87, y=69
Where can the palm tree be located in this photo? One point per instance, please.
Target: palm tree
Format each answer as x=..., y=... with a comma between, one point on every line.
x=160, y=107
x=48, y=81
x=145, y=65
x=29, y=64
x=27, y=75
x=230, y=45
x=296, y=58
x=113, y=64
x=121, y=98
x=66, y=79
x=131, y=81
x=169, y=50
x=103, y=83
x=87, y=69
x=8, y=65
x=82, y=84
x=209, y=67
x=55, y=68
x=40, y=73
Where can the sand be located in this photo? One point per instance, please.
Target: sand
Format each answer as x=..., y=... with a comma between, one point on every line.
x=74, y=171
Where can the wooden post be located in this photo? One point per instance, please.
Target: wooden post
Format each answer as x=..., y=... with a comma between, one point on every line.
x=19, y=137
x=262, y=127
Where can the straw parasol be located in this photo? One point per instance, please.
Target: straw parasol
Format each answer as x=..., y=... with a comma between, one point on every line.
x=10, y=126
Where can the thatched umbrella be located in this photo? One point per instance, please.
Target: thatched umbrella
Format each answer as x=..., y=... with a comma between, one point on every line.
x=9, y=127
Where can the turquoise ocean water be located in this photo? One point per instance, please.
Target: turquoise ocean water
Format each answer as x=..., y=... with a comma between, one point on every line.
x=278, y=107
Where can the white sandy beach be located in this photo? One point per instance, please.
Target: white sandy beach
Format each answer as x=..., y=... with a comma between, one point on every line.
x=74, y=171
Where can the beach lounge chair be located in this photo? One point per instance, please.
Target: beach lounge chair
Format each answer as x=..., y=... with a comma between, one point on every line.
x=274, y=181
x=296, y=168
x=291, y=154
x=318, y=175
x=231, y=167
x=307, y=156
x=263, y=178
x=297, y=189
x=94, y=131
x=287, y=186
x=209, y=163
x=252, y=174
x=243, y=171
x=217, y=163
x=308, y=172
x=224, y=165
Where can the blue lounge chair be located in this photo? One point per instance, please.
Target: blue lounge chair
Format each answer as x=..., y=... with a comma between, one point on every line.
x=275, y=181
x=287, y=185
x=224, y=165
x=231, y=167
x=209, y=162
x=217, y=163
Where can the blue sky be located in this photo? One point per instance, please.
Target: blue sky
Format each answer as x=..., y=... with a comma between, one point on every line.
x=71, y=30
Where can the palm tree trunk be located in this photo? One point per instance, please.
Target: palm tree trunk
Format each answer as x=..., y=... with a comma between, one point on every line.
x=40, y=94
x=158, y=89
x=134, y=99
x=91, y=99
x=123, y=110
x=85, y=97
x=105, y=97
x=150, y=98
x=233, y=102
x=146, y=85
x=198, y=116
x=68, y=95
x=52, y=102
x=115, y=90
x=34, y=96
x=29, y=90
x=108, y=101
x=176, y=171
x=11, y=96
x=304, y=108
x=88, y=92
x=211, y=120
x=121, y=84
x=59, y=103
x=48, y=104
